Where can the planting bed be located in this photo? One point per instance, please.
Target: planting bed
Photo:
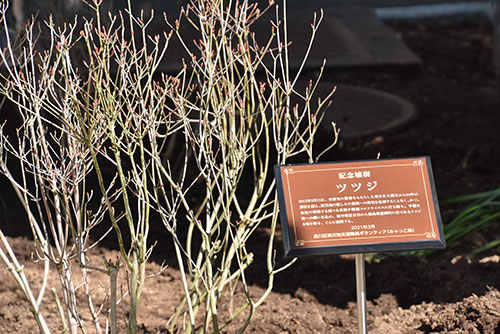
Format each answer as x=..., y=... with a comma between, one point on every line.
x=451, y=291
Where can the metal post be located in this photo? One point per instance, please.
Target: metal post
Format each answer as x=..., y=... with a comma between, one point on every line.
x=361, y=293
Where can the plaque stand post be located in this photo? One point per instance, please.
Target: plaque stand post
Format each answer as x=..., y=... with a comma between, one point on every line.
x=361, y=293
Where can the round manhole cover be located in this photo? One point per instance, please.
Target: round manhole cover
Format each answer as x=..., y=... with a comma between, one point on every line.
x=361, y=111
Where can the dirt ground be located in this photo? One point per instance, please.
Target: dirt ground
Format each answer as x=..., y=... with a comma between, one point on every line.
x=456, y=93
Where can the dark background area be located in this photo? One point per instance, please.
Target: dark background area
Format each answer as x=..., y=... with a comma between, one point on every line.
x=456, y=93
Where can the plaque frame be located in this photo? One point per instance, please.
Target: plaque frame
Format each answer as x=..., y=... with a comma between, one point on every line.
x=387, y=244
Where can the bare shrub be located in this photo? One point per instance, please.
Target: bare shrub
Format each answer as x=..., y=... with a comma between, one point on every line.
x=106, y=137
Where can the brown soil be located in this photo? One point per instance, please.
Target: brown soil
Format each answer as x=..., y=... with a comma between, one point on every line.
x=456, y=93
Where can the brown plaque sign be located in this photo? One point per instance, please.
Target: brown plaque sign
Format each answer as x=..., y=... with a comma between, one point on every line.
x=359, y=207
